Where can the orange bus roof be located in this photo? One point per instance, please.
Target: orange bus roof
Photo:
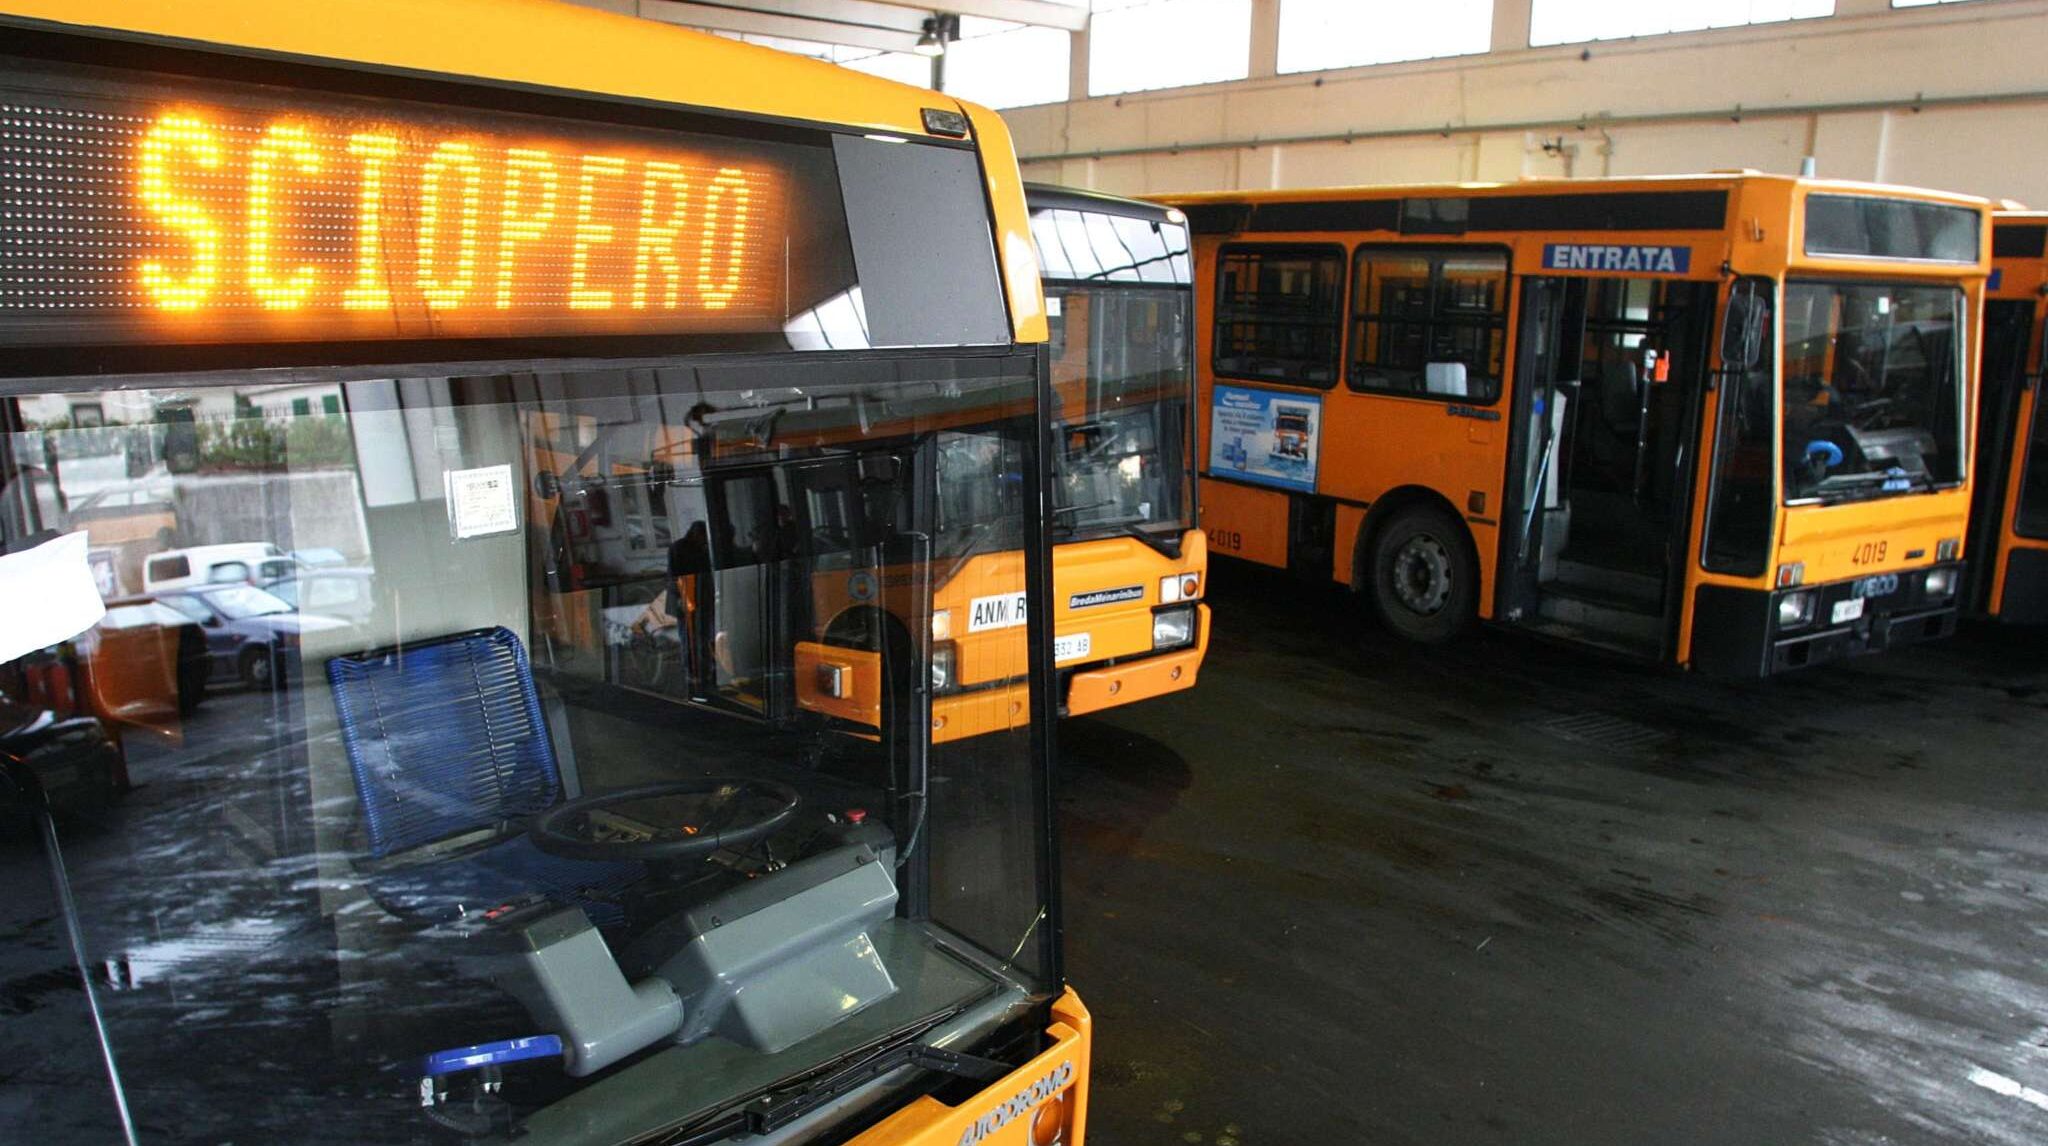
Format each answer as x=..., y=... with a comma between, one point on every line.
x=1547, y=186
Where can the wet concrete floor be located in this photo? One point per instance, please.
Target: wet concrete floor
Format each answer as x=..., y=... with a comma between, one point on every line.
x=1350, y=891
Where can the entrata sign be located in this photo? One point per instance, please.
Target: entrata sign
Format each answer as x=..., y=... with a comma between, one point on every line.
x=1638, y=260
x=132, y=214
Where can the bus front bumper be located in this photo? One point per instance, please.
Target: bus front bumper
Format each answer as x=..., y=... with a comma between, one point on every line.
x=1757, y=633
x=1044, y=1101
x=1138, y=678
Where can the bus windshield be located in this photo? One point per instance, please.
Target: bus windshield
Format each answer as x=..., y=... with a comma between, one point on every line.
x=1873, y=401
x=1122, y=382
x=586, y=796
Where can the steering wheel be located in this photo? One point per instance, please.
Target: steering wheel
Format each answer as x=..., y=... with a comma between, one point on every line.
x=565, y=829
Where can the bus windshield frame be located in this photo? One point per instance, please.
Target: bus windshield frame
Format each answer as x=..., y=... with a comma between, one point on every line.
x=1120, y=297
x=1872, y=371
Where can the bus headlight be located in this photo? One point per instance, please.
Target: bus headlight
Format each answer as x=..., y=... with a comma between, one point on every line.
x=1172, y=628
x=1180, y=587
x=945, y=667
x=1795, y=610
x=1941, y=583
x=942, y=624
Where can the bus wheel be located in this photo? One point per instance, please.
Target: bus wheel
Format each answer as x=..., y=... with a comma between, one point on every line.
x=1423, y=582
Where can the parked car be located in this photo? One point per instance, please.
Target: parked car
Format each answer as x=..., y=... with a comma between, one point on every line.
x=350, y=594
x=245, y=561
x=69, y=761
x=251, y=634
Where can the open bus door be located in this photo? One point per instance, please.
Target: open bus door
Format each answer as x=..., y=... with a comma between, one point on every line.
x=1611, y=376
x=2008, y=327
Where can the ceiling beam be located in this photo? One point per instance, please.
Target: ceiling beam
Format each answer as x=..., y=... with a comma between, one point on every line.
x=1038, y=12
x=865, y=13
x=756, y=22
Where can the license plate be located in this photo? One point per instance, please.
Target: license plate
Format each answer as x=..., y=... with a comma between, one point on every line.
x=1002, y=611
x=1847, y=610
x=1071, y=648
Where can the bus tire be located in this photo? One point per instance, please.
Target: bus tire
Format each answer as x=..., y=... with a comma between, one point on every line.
x=1424, y=585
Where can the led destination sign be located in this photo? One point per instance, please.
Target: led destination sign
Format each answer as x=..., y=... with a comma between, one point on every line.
x=131, y=213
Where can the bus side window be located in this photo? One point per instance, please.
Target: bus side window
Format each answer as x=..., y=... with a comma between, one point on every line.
x=1279, y=313
x=1740, y=504
x=1429, y=323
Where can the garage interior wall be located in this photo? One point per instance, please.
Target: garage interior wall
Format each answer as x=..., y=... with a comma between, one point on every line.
x=1953, y=96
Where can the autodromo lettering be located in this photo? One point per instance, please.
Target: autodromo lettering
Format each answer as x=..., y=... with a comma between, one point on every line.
x=1021, y=1104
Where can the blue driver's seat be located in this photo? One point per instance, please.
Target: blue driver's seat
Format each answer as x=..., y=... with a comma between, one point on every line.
x=451, y=755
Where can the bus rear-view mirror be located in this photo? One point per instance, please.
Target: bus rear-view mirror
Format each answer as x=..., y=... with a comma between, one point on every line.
x=1742, y=329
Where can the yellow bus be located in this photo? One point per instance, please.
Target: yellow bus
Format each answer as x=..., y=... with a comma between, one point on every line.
x=1715, y=421
x=1128, y=560
x=632, y=408
x=2008, y=577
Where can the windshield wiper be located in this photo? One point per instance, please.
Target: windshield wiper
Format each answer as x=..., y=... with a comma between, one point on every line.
x=777, y=1106
x=1168, y=544
x=1868, y=486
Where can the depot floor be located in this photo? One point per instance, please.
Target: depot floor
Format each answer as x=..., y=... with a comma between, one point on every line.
x=1347, y=891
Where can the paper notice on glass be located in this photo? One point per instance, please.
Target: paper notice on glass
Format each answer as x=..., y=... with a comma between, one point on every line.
x=50, y=595
x=482, y=502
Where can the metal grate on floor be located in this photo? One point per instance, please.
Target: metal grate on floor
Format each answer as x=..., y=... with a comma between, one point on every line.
x=1602, y=730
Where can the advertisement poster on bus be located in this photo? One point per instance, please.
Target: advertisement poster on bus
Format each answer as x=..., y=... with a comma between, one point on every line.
x=1265, y=437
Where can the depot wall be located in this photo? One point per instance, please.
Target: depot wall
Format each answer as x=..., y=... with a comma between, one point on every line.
x=1954, y=96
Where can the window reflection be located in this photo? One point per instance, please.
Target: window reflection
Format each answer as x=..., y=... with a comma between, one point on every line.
x=356, y=663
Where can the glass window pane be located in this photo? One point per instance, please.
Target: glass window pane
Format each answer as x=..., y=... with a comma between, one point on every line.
x=1279, y=313
x=1430, y=323
x=1072, y=229
x=1139, y=45
x=1577, y=21
x=1052, y=253
x=1872, y=399
x=1740, y=507
x=2031, y=518
x=1008, y=65
x=1122, y=375
x=903, y=67
x=724, y=577
x=1319, y=34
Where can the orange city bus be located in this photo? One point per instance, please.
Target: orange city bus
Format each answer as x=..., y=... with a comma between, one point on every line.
x=1714, y=421
x=2008, y=576
x=1128, y=560
x=677, y=410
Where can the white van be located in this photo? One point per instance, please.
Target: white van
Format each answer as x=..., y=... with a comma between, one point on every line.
x=213, y=564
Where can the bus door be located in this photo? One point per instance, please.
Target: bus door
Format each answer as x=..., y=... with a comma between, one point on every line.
x=1544, y=397
x=797, y=555
x=1611, y=454
x=2008, y=327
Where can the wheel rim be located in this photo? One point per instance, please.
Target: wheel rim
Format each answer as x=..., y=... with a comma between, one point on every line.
x=259, y=669
x=1422, y=575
